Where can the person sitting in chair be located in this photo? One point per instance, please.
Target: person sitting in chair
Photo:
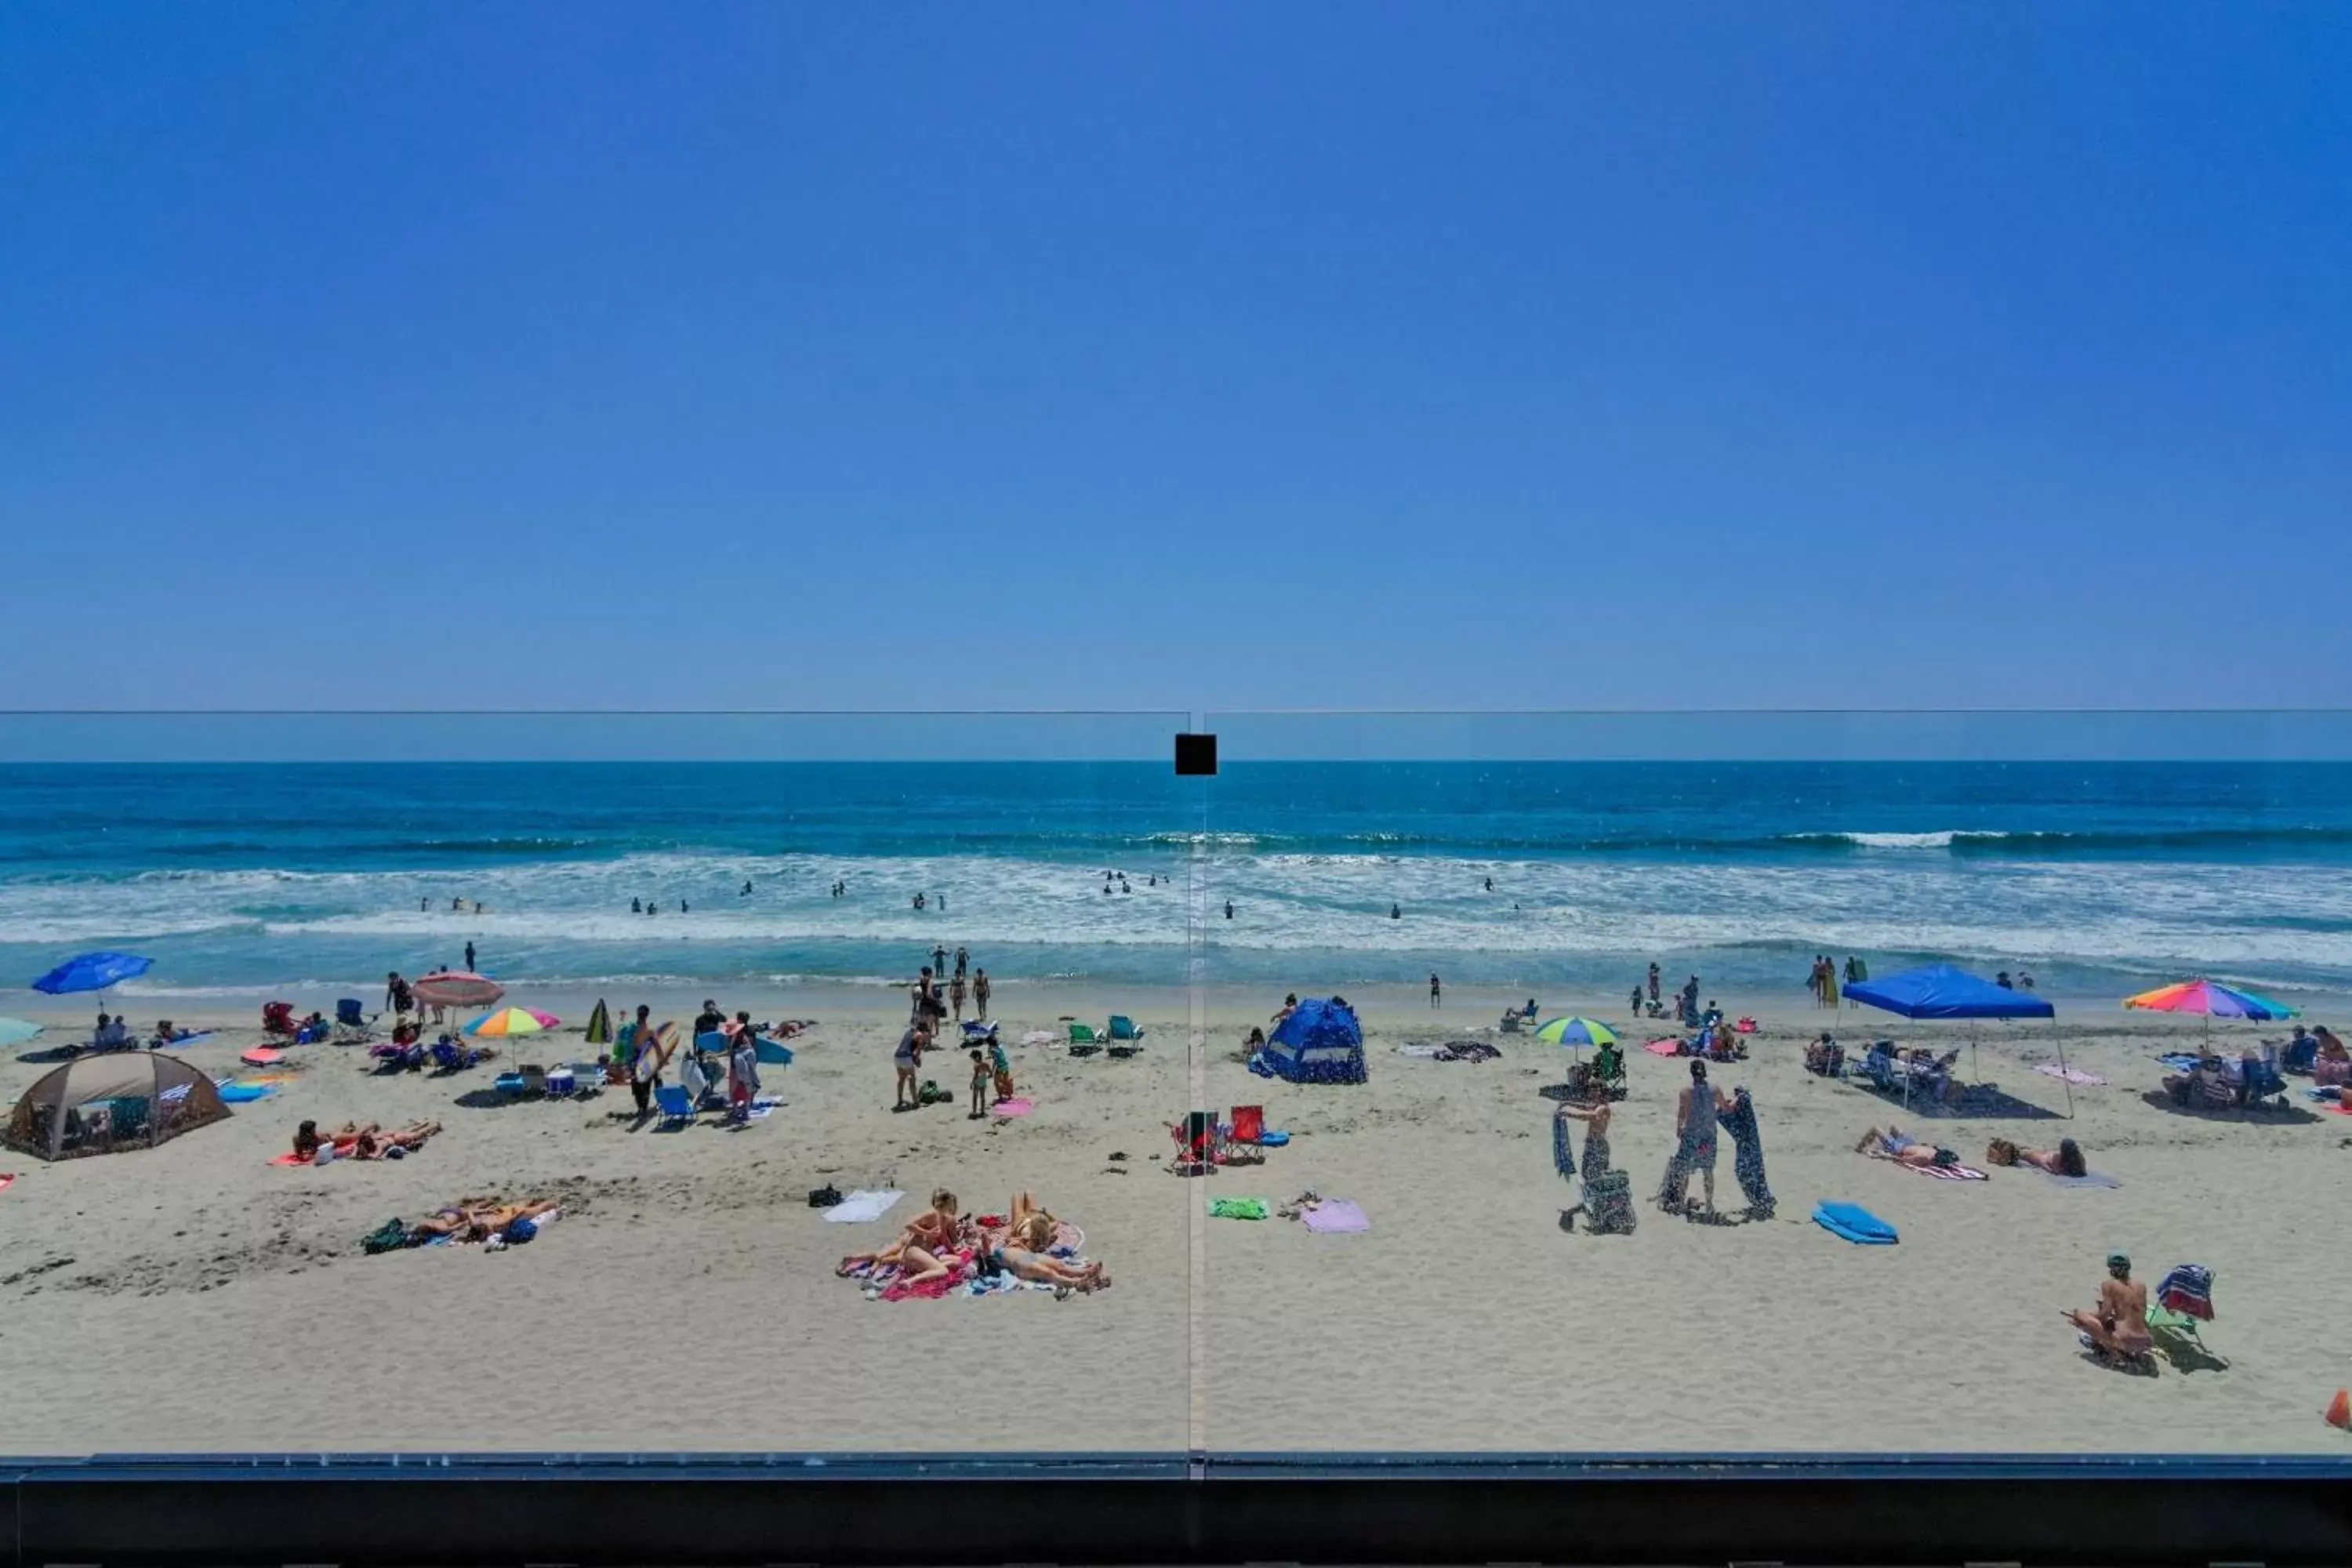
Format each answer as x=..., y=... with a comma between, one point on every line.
x=2116, y=1330
x=1824, y=1056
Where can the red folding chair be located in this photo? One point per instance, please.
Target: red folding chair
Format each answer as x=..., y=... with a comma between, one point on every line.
x=1196, y=1141
x=1249, y=1124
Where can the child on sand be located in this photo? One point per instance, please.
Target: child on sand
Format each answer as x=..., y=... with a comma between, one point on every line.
x=980, y=1078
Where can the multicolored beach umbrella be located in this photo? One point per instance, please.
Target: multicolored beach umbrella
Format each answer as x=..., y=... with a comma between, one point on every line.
x=1575, y=1032
x=511, y=1021
x=2211, y=999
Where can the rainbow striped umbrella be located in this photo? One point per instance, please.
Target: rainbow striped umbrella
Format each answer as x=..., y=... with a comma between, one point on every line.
x=512, y=1021
x=2211, y=999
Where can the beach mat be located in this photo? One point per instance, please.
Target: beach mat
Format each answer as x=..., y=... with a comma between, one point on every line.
x=1238, y=1208
x=246, y=1094
x=863, y=1205
x=1853, y=1222
x=2088, y=1179
x=1663, y=1047
x=1944, y=1172
x=1336, y=1216
x=2071, y=1074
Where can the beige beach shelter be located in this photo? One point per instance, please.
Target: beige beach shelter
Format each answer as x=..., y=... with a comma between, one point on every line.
x=105, y=1104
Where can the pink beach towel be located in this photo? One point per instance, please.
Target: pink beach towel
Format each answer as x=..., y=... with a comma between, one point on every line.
x=1663, y=1048
x=8, y=1180
x=1015, y=1107
x=2073, y=1075
x=1339, y=1216
x=289, y=1158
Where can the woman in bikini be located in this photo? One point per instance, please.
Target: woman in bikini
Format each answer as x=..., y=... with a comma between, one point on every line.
x=2066, y=1160
x=373, y=1144
x=916, y=1251
x=1023, y=1255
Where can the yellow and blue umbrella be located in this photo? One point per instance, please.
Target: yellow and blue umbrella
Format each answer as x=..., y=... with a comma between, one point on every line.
x=511, y=1021
x=1575, y=1032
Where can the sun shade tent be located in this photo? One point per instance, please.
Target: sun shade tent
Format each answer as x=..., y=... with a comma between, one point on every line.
x=1320, y=1042
x=109, y=1103
x=1941, y=990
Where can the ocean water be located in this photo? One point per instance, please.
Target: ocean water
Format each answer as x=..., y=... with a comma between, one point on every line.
x=2098, y=877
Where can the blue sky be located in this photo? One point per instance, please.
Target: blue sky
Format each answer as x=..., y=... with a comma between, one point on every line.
x=1205, y=356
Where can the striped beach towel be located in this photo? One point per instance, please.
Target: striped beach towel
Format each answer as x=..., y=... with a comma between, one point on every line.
x=1949, y=1172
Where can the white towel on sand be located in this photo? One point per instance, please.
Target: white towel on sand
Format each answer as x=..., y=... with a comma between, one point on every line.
x=862, y=1205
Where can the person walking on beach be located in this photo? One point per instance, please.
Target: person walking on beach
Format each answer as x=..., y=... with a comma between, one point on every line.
x=1695, y=1119
x=963, y=961
x=742, y=1070
x=980, y=995
x=955, y=994
x=469, y=958
x=1653, y=984
x=939, y=959
x=1433, y=988
x=398, y=1000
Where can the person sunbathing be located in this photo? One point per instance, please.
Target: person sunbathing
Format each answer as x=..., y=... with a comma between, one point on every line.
x=1892, y=1144
x=478, y=1219
x=2117, y=1328
x=2066, y=1160
x=375, y=1144
x=934, y=1231
x=1023, y=1255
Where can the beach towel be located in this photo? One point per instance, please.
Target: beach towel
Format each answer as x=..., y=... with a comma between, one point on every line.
x=1014, y=1106
x=862, y=1205
x=261, y=1055
x=243, y=1093
x=1663, y=1047
x=1853, y=1222
x=2087, y=1179
x=1237, y=1208
x=1563, y=1157
x=2071, y=1074
x=289, y=1158
x=1428, y=1052
x=2180, y=1061
x=1947, y=1172
x=1336, y=1216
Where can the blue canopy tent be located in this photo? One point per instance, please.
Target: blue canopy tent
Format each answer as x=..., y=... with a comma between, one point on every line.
x=1320, y=1042
x=1941, y=990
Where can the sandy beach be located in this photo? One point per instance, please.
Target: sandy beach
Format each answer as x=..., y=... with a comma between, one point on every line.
x=687, y=1296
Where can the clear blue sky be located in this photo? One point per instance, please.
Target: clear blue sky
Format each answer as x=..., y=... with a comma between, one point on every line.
x=1204, y=356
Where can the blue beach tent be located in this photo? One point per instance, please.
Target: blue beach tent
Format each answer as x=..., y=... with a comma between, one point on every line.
x=1941, y=990
x=1320, y=1042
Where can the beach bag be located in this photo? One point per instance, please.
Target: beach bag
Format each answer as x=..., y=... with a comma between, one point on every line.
x=1609, y=1204
x=824, y=1198
x=389, y=1236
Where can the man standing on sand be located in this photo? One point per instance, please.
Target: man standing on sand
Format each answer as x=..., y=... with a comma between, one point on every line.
x=469, y=958
x=1433, y=988
x=2117, y=1328
x=907, y=1059
x=1654, y=984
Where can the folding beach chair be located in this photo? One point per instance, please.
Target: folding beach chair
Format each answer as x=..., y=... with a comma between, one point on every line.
x=2183, y=1299
x=1084, y=1041
x=278, y=1020
x=676, y=1105
x=1197, y=1145
x=1123, y=1027
x=351, y=1026
x=1249, y=1124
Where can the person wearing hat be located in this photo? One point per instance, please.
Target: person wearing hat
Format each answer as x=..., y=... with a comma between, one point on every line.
x=2117, y=1330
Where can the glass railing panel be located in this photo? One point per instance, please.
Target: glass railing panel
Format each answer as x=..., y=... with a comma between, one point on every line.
x=798, y=869
x=1551, y=1264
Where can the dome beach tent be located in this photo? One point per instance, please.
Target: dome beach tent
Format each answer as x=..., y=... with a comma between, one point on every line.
x=1940, y=991
x=105, y=1104
x=1320, y=1042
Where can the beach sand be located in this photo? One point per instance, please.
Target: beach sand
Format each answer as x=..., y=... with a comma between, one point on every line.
x=688, y=1298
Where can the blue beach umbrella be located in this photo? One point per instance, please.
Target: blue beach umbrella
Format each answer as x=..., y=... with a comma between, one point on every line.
x=93, y=972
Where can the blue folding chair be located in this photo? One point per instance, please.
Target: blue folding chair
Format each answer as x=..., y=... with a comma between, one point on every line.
x=677, y=1106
